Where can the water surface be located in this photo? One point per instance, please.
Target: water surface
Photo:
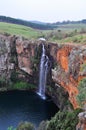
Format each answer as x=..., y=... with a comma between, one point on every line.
x=17, y=106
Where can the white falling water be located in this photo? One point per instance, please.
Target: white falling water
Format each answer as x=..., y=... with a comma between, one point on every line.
x=43, y=73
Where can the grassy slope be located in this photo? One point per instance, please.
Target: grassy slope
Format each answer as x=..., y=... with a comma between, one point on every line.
x=75, y=33
x=20, y=30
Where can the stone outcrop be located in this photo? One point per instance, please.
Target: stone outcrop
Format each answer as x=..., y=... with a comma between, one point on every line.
x=25, y=52
x=82, y=121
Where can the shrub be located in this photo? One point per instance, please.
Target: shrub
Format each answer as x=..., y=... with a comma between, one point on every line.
x=23, y=85
x=20, y=85
x=25, y=126
x=64, y=121
x=81, y=97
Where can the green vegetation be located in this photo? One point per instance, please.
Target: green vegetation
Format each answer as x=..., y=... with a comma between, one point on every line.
x=11, y=128
x=43, y=125
x=20, y=30
x=38, y=24
x=22, y=85
x=33, y=24
x=25, y=126
x=17, y=83
x=81, y=97
x=75, y=33
x=83, y=67
x=64, y=34
x=64, y=121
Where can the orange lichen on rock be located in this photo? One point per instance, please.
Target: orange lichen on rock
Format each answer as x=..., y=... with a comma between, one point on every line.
x=73, y=81
x=62, y=56
x=72, y=64
x=72, y=91
x=19, y=47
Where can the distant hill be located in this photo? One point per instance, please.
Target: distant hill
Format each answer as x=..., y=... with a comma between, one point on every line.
x=32, y=24
x=70, y=22
x=38, y=22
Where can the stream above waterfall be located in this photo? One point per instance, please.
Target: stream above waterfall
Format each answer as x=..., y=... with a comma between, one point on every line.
x=17, y=106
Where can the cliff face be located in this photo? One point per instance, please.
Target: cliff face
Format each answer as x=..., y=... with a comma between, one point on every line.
x=68, y=62
x=5, y=58
x=25, y=52
x=70, y=69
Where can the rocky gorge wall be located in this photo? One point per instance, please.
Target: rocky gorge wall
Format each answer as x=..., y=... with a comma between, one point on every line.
x=68, y=63
x=70, y=69
x=6, y=66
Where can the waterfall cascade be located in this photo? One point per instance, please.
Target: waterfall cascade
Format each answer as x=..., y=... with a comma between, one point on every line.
x=43, y=73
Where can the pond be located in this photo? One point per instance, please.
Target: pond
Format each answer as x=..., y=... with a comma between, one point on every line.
x=17, y=106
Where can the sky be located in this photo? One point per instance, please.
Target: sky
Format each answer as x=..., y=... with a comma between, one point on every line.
x=44, y=10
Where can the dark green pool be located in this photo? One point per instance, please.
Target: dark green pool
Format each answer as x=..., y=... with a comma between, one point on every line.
x=17, y=106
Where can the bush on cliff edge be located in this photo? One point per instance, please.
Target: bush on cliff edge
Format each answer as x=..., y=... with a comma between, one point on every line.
x=81, y=97
x=63, y=121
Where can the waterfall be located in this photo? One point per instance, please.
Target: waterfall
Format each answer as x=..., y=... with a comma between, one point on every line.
x=43, y=73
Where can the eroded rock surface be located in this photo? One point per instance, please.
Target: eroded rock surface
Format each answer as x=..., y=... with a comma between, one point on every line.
x=82, y=121
x=69, y=70
x=5, y=57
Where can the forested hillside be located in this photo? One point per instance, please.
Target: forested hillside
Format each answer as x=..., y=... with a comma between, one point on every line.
x=27, y=23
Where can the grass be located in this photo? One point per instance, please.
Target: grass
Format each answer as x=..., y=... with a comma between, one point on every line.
x=71, y=27
x=20, y=30
x=79, y=38
x=23, y=85
x=75, y=33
